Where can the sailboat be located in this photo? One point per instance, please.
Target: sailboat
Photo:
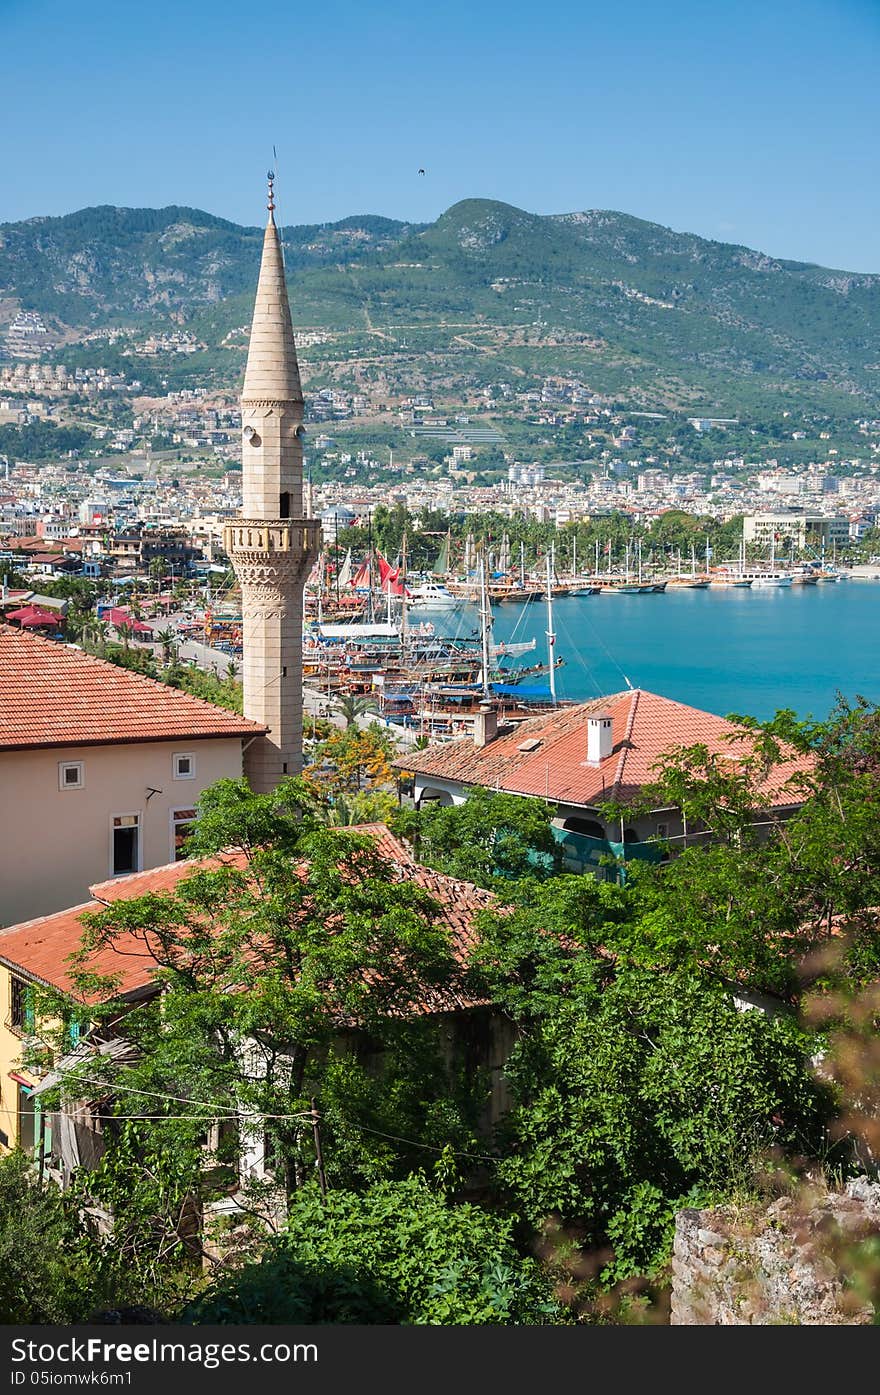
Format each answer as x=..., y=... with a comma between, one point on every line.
x=551, y=637
x=684, y=582
x=624, y=586
x=737, y=578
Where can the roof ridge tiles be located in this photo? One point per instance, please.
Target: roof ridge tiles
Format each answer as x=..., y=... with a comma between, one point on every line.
x=50, y=915
x=625, y=744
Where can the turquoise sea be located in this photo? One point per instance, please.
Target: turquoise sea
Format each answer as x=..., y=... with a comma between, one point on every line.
x=748, y=651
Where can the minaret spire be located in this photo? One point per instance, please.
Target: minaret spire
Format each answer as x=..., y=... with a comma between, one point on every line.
x=272, y=546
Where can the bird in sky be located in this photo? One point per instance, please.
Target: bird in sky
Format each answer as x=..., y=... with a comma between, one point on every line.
x=421, y=171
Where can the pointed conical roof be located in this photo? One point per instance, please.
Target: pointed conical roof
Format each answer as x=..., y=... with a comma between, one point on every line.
x=272, y=373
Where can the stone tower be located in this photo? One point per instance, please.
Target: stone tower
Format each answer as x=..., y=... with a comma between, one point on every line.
x=272, y=546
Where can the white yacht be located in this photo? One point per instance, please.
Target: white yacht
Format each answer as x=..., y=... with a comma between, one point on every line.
x=759, y=579
x=430, y=595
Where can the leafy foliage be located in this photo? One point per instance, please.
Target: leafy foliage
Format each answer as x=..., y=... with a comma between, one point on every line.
x=489, y=839
x=395, y=1254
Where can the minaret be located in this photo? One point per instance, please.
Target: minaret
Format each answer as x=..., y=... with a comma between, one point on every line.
x=272, y=546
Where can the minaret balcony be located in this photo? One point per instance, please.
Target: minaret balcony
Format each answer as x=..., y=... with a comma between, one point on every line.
x=298, y=537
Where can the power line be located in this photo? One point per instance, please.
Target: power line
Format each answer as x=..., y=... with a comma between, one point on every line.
x=246, y=1115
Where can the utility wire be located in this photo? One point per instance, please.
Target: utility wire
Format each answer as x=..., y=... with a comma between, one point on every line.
x=246, y=1115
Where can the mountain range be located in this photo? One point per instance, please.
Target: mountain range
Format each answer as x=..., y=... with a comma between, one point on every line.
x=630, y=306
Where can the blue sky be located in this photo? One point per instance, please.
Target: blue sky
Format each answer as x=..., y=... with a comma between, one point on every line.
x=743, y=121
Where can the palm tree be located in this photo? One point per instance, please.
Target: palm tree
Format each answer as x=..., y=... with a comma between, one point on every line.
x=353, y=707
x=94, y=632
x=232, y=669
x=125, y=633
x=168, y=640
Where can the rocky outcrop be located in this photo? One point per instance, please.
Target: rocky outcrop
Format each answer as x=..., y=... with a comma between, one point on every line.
x=792, y=1262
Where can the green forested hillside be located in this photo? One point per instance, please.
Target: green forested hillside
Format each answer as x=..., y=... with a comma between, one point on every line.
x=635, y=307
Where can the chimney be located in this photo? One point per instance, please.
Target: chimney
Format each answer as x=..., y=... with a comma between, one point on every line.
x=599, y=739
x=485, y=725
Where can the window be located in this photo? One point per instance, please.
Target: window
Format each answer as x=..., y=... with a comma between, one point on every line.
x=184, y=766
x=663, y=830
x=182, y=823
x=126, y=844
x=20, y=1013
x=71, y=775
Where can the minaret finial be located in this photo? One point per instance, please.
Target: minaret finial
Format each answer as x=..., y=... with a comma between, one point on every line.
x=270, y=175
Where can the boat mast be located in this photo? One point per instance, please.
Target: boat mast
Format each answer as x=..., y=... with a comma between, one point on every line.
x=371, y=612
x=404, y=627
x=336, y=554
x=551, y=637
x=522, y=564
x=574, y=556
x=485, y=621
x=597, y=557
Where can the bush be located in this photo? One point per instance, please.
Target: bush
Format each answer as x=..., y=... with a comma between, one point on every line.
x=396, y=1254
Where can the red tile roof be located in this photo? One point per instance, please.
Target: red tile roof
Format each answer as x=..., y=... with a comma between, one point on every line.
x=51, y=695
x=645, y=727
x=39, y=949
x=162, y=879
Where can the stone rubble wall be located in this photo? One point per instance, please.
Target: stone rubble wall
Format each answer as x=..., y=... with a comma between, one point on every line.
x=783, y=1264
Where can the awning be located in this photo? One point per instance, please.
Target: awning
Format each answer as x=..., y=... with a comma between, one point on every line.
x=32, y=618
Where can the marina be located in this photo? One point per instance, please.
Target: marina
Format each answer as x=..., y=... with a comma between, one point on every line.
x=729, y=649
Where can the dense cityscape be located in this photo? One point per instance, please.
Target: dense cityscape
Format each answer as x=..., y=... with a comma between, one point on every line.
x=440, y=746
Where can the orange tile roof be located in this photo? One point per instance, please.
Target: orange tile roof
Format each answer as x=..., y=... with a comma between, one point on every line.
x=51, y=695
x=162, y=879
x=645, y=727
x=39, y=949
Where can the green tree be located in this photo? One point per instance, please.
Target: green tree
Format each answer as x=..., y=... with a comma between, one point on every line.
x=353, y=707
x=489, y=838
x=307, y=934
x=635, y=1090
x=168, y=640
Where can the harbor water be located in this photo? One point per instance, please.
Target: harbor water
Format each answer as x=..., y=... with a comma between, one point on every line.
x=748, y=651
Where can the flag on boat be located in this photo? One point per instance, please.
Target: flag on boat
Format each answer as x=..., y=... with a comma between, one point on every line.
x=389, y=577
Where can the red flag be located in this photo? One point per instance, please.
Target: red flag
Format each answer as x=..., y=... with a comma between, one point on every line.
x=389, y=577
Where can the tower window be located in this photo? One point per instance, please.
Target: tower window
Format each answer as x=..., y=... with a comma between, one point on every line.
x=284, y=505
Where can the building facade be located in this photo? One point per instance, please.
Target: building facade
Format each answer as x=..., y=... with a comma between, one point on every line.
x=101, y=770
x=800, y=528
